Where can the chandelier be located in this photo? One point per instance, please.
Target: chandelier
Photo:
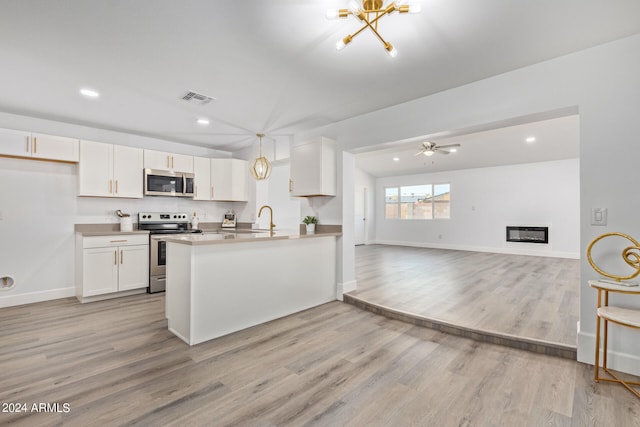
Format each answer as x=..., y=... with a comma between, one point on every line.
x=370, y=13
x=261, y=168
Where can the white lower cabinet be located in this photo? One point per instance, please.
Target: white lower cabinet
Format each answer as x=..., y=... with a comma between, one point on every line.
x=109, y=265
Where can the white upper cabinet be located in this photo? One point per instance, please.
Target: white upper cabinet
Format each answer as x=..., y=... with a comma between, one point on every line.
x=108, y=170
x=229, y=180
x=127, y=171
x=15, y=143
x=221, y=179
x=39, y=146
x=313, y=168
x=202, y=178
x=55, y=147
x=168, y=161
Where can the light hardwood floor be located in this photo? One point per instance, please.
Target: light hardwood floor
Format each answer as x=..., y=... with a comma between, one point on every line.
x=115, y=363
x=531, y=297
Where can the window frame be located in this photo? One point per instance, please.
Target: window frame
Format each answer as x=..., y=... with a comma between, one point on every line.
x=398, y=203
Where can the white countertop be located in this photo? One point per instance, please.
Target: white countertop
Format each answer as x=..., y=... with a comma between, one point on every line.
x=241, y=236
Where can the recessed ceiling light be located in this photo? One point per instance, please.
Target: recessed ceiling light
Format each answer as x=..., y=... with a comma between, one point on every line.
x=202, y=121
x=89, y=93
x=530, y=139
x=396, y=159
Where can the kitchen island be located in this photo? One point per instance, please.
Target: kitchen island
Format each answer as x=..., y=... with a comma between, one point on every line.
x=221, y=283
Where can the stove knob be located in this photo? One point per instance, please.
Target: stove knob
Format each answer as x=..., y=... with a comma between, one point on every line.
x=174, y=217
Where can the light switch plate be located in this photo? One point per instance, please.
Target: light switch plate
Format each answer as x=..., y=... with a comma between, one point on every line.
x=599, y=216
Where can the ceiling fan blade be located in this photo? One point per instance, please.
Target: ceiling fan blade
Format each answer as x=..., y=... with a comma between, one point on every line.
x=441, y=151
x=418, y=153
x=448, y=146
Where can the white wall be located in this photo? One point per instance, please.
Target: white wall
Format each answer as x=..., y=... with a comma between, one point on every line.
x=484, y=201
x=367, y=182
x=602, y=84
x=39, y=209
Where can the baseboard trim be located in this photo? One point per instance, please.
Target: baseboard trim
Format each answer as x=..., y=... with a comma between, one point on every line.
x=507, y=251
x=31, y=297
x=528, y=344
x=343, y=288
x=621, y=362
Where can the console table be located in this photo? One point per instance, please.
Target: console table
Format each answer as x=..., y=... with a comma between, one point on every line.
x=621, y=316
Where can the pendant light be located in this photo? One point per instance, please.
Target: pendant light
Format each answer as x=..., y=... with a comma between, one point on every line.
x=261, y=168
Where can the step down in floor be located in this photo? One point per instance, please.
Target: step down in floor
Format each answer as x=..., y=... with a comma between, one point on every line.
x=528, y=344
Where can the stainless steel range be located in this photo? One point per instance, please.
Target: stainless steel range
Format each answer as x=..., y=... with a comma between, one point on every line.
x=161, y=224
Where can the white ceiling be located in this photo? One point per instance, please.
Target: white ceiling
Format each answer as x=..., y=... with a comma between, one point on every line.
x=555, y=139
x=272, y=65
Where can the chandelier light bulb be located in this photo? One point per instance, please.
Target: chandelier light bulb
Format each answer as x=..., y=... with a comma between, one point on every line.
x=391, y=50
x=354, y=7
x=332, y=14
x=341, y=44
x=415, y=8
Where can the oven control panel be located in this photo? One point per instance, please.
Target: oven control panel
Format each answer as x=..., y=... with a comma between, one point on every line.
x=162, y=217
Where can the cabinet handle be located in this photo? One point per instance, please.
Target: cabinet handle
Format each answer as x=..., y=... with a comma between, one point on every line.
x=110, y=186
x=117, y=241
x=168, y=161
x=212, y=191
x=172, y=164
x=121, y=256
x=115, y=257
x=116, y=186
x=35, y=145
x=196, y=191
x=27, y=144
x=290, y=186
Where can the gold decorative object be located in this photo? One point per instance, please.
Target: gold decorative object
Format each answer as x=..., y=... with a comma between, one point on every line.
x=261, y=168
x=628, y=255
x=370, y=13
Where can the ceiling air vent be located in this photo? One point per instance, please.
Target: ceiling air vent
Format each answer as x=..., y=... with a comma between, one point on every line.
x=192, y=96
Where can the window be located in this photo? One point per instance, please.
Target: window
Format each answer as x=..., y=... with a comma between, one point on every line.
x=426, y=201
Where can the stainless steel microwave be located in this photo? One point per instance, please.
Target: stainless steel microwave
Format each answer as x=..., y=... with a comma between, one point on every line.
x=168, y=183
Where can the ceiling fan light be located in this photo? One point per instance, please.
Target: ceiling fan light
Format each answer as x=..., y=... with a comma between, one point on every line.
x=428, y=153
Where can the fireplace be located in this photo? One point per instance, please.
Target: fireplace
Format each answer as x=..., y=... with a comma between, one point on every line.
x=527, y=234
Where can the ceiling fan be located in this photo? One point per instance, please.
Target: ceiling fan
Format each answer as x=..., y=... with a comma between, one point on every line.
x=429, y=148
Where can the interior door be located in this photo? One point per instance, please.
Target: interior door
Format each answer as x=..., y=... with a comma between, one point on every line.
x=360, y=215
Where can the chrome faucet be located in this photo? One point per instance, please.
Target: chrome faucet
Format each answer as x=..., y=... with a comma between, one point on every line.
x=271, y=224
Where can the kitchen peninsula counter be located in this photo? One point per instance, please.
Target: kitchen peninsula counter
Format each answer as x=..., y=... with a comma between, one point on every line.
x=242, y=236
x=220, y=283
